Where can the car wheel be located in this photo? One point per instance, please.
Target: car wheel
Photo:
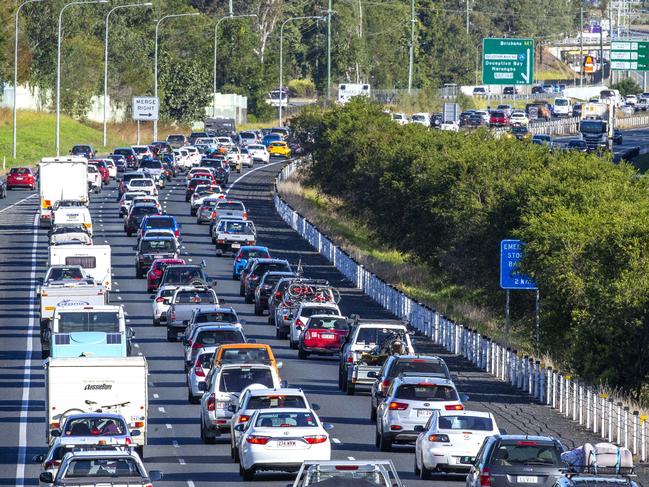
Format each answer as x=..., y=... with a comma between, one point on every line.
x=372, y=414
x=247, y=299
x=350, y=388
x=193, y=399
x=302, y=354
x=385, y=445
x=234, y=453
x=138, y=273
x=235, y=277
x=156, y=322
x=241, y=290
x=377, y=439
x=258, y=310
x=292, y=344
x=247, y=473
x=424, y=473
x=128, y=233
x=171, y=336
x=416, y=467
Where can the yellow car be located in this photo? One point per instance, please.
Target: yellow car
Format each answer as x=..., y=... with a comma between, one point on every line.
x=279, y=149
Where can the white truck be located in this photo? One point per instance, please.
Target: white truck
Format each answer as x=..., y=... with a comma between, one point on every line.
x=91, y=384
x=61, y=178
x=95, y=260
x=562, y=107
x=347, y=91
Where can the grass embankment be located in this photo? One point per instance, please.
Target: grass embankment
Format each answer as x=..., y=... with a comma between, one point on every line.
x=457, y=302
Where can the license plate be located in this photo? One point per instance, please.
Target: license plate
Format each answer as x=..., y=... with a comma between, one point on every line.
x=236, y=245
x=286, y=443
x=527, y=479
x=158, y=256
x=327, y=336
x=19, y=178
x=424, y=413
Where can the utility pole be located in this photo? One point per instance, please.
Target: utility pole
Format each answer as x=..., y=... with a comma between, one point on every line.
x=411, y=53
x=467, y=16
x=581, y=44
x=360, y=37
x=610, y=37
x=329, y=12
x=230, y=10
x=601, y=51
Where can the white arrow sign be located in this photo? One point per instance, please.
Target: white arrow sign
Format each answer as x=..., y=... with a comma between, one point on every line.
x=145, y=108
x=526, y=76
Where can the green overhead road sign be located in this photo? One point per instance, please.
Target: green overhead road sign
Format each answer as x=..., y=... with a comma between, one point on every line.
x=630, y=55
x=507, y=61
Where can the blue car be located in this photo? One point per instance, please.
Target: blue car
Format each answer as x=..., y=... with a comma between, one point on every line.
x=245, y=253
x=159, y=222
x=270, y=138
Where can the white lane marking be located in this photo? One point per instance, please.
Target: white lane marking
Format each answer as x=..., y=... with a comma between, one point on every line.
x=139, y=354
x=190, y=260
x=17, y=203
x=136, y=345
x=190, y=483
x=156, y=396
x=168, y=426
x=24, y=404
x=336, y=441
x=181, y=461
x=161, y=409
x=106, y=241
x=175, y=444
x=250, y=172
x=119, y=297
x=351, y=458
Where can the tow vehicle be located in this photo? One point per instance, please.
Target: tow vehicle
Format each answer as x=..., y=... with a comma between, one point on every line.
x=229, y=235
x=185, y=300
x=379, y=473
x=149, y=249
x=61, y=178
x=94, y=259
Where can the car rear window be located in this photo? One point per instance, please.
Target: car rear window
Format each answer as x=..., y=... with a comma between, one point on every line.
x=286, y=420
x=151, y=246
x=308, y=311
x=236, y=380
x=328, y=324
x=373, y=336
x=182, y=275
x=525, y=452
x=475, y=423
x=216, y=316
x=150, y=164
x=160, y=223
x=275, y=401
x=262, y=269
x=211, y=338
x=255, y=254
x=195, y=297
x=231, y=205
x=418, y=365
x=426, y=392
x=145, y=210
x=245, y=356
x=101, y=467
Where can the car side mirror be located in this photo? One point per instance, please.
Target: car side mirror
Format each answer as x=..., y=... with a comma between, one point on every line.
x=232, y=408
x=47, y=334
x=327, y=426
x=503, y=431
x=315, y=407
x=202, y=386
x=284, y=384
x=464, y=397
x=130, y=333
x=214, y=283
x=252, y=340
x=38, y=458
x=135, y=433
x=240, y=428
x=280, y=365
x=419, y=428
x=152, y=296
x=46, y=477
x=156, y=475
x=55, y=433
x=203, y=263
x=371, y=374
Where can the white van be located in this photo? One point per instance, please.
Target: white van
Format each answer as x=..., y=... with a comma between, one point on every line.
x=61, y=178
x=95, y=260
x=73, y=215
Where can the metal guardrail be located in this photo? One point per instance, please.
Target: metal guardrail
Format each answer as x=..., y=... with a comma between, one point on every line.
x=592, y=407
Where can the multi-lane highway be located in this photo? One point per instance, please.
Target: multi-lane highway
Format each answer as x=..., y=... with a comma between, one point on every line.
x=174, y=443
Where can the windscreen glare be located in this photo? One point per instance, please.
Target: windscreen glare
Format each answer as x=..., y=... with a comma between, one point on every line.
x=78, y=321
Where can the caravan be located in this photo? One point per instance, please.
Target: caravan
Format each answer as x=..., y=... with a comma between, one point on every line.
x=95, y=260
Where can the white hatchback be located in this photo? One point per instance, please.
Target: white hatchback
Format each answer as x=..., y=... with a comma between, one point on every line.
x=161, y=303
x=146, y=185
x=280, y=440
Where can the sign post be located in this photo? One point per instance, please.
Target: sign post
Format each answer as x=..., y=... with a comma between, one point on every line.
x=630, y=55
x=511, y=253
x=507, y=61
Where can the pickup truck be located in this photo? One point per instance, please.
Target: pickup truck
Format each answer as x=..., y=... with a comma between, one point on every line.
x=229, y=209
x=185, y=300
x=151, y=248
x=358, y=355
x=229, y=235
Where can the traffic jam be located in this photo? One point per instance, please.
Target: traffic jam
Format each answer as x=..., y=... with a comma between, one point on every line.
x=98, y=400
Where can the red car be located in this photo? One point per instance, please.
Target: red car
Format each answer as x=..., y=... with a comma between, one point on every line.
x=498, y=118
x=21, y=177
x=157, y=269
x=323, y=335
x=103, y=170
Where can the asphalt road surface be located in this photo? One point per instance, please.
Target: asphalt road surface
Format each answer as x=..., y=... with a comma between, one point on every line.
x=174, y=443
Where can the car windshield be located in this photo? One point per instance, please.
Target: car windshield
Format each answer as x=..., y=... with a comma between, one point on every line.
x=254, y=254
x=475, y=423
x=418, y=118
x=181, y=275
x=286, y=420
x=80, y=149
x=235, y=227
x=195, y=297
x=426, y=392
x=211, y=338
x=123, y=152
x=160, y=223
x=328, y=324
x=152, y=246
x=255, y=147
x=418, y=365
x=140, y=150
x=561, y=102
x=263, y=268
x=593, y=127
x=216, y=316
x=270, y=401
x=150, y=164
x=94, y=427
x=373, y=336
x=79, y=321
x=103, y=467
x=60, y=273
x=236, y=380
x=19, y=170
x=498, y=114
x=525, y=453
x=245, y=356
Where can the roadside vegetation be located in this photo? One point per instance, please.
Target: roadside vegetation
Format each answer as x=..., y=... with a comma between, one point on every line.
x=444, y=201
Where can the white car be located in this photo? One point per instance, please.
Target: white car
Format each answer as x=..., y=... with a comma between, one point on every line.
x=246, y=157
x=421, y=118
x=146, y=185
x=161, y=304
x=142, y=151
x=302, y=315
x=257, y=397
x=126, y=201
x=259, y=153
x=450, y=125
x=197, y=373
x=400, y=118
x=144, y=198
x=208, y=141
x=182, y=159
x=281, y=439
x=484, y=114
x=71, y=238
x=112, y=168
x=450, y=441
x=631, y=99
x=192, y=154
x=225, y=142
x=195, y=170
x=518, y=117
x=202, y=192
x=94, y=178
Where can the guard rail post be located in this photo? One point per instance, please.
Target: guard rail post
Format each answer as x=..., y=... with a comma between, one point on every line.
x=503, y=364
x=532, y=382
x=554, y=389
x=625, y=428
x=643, y=437
x=581, y=404
x=561, y=392
x=595, y=416
x=603, y=421
x=610, y=420
x=542, y=386
x=437, y=330
x=618, y=423
x=575, y=385
x=508, y=364
x=635, y=432
x=567, y=380
x=549, y=395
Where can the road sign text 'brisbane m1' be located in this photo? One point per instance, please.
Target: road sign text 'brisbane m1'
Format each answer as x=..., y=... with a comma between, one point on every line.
x=507, y=61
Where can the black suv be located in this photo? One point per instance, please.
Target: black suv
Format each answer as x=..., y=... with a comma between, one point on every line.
x=152, y=248
x=185, y=275
x=128, y=154
x=255, y=271
x=136, y=215
x=83, y=150
x=265, y=288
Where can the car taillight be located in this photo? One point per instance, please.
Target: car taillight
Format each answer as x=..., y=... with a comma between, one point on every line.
x=485, y=477
x=128, y=441
x=243, y=419
x=198, y=369
x=258, y=440
x=197, y=345
x=220, y=241
x=385, y=384
x=52, y=464
x=438, y=438
x=245, y=215
x=454, y=407
x=159, y=300
x=55, y=425
x=253, y=277
x=350, y=359
x=398, y=406
x=138, y=424
x=315, y=439
x=211, y=403
x=172, y=315
x=251, y=242
x=177, y=233
x=298, y=324
x=526, y=443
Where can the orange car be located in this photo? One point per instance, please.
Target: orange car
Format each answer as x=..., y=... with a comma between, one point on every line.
x=245, y=353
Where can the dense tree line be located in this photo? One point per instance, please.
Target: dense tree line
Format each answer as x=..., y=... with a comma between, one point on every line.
x=449, y=199
x=370, y=43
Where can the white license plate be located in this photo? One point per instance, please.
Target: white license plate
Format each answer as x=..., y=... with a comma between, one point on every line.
x=527, y=479
x=236, y=245
x=424, y=413
x=327, y=336
x=287, y=444
x=158, y=256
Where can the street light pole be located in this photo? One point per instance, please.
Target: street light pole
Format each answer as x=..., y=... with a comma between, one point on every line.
x=216, y=36
x=147, y=4
x=329, y=12
x=281, y=59
x=155, y=62
x=13, y=149
x=411, y=53
x=58, y=70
